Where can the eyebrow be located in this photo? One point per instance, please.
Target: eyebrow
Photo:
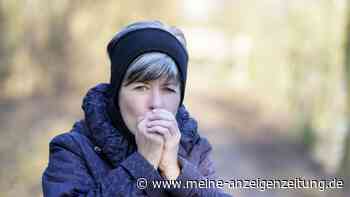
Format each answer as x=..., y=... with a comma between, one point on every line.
x=171, y=83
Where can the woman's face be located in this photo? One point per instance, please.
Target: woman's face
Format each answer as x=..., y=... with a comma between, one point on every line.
x=137, y=98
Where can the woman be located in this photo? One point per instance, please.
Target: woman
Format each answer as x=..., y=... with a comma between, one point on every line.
x=136, y=127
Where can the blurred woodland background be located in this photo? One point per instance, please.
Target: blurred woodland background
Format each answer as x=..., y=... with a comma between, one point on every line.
x=269, y=82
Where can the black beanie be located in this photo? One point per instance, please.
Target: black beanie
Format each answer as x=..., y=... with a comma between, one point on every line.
x=123, y=50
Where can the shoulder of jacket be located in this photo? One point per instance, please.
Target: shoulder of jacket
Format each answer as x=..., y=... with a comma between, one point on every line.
x=76, y=135
x=70, y=141
x=63, y=140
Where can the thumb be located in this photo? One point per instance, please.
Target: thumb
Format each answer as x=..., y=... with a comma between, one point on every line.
x=140, y=118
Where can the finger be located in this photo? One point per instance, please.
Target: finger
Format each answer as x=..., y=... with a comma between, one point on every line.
x=164, y=112
x=164, y=115
x=142, y=124
x=161, y=130
x=140, y=118
x=155, y=137
x=147, y=114
x=164, y=123
x=145, y=118
x=160, y=115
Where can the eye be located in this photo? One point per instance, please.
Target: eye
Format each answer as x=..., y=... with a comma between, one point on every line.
x=170, y=89
x=140, y=87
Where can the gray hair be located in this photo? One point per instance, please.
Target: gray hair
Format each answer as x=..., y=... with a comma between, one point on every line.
x=152, y=65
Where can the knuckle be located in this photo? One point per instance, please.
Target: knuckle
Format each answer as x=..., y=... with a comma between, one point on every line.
x=178, y=136
x=174, y=123
x=159, y=128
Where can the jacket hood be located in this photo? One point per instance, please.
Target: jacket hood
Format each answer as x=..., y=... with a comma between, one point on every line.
x=116, y=145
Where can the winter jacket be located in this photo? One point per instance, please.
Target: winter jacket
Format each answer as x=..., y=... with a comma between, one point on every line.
x=95, y=159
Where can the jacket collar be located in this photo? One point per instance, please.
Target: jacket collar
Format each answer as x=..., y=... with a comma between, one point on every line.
x=114, y=145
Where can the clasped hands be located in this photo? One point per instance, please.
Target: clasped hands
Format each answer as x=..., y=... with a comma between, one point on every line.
x=157, y=138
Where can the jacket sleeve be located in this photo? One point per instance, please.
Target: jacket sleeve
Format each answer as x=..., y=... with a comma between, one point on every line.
x=204, y=170
x=67, y=174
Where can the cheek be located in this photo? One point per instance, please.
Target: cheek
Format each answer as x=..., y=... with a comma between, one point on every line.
x=131, y=107
x=172, y=103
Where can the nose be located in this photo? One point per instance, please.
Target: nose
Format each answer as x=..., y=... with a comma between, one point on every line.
x=156, y=100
